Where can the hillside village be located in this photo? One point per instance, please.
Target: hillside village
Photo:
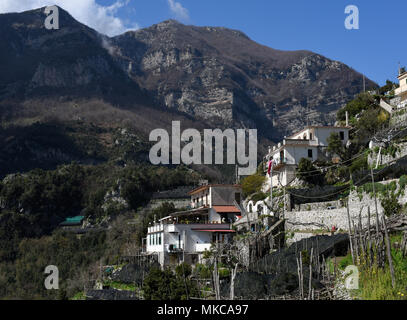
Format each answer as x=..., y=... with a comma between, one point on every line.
x=312, y=202
x=78, y=189
x=310, y=211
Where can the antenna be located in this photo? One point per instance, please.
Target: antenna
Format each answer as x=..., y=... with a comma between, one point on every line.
x=364, y=84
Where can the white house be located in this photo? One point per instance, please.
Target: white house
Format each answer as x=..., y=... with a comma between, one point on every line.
x=309, y=143
x=186, y=235
x=401, y=91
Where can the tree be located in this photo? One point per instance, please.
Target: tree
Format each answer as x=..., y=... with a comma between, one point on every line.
x=391, y=204
x=158, y=284
x=164, y=285
x=387, y=87
x=362, y=102
x=307, y=172
x=335, y=145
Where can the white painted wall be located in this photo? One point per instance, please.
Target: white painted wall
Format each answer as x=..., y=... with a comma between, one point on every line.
x=402, y=90
x=203, y=196
x=188, y=240
x=294, y=154
x=322, y=135
x=303, y=135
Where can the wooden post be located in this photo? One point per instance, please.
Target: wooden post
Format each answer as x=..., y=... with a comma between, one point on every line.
x=299, y=275
x=317, y=257
x=375, y=201
x=232, y=283
x=283, y=217
x=369, y=244
x=310, y=274
x=350, y=234
x=329, y=271
x=388, y=247
x=355, y=238
x=302, y=277
x=360, y=231
x=216, y=279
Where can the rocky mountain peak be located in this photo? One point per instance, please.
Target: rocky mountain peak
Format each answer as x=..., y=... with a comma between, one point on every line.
x=214, y=75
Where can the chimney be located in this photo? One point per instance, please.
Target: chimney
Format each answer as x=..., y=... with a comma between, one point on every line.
x=347, y=118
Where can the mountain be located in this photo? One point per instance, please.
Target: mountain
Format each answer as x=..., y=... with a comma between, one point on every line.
x=88, y=86
x=220, y=75
x=72, y=60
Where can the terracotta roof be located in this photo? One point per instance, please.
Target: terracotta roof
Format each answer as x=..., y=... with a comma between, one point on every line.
x=226, y=209
x=319, y=127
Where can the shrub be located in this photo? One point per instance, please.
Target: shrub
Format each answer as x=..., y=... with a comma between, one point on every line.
x=183, y=270
x=359, y=164
x=202, y=271
x=346, y=261
x=335, y=144
x=223, y=272
x=307, y=172
x=252, y=184
x=390, y=204
x=403, y=182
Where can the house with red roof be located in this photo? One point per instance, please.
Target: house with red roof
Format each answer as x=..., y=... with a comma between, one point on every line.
x=186, y=235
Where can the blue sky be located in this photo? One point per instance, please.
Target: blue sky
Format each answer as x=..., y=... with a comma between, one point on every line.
x=316, y=25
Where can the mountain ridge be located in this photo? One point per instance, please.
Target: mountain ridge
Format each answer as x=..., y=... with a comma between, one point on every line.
x=214, y=76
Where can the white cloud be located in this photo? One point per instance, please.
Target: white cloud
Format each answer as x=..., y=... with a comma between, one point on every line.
x=101, y=18
x=180, y=12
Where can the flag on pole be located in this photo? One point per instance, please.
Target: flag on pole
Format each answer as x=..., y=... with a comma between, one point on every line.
x=269, y=167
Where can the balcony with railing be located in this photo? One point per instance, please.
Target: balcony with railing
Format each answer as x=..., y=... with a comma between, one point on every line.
x=278, y=163
x=202, y=247
x=158, y=227
x=199, y=204
x=174, y=248
x=312, y=142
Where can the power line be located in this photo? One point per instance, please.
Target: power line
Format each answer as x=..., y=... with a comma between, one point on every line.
x=335, y=165
x=329, y=195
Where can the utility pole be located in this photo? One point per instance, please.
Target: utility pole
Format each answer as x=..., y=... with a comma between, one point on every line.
x=284, y=202
x=378, y=157
x=271, y=186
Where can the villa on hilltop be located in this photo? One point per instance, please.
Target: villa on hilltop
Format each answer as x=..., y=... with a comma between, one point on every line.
x=310, y=143
x=399, y=101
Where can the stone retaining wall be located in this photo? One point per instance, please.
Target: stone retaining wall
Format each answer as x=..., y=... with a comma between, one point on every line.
x=384, y=159
x=323, y=219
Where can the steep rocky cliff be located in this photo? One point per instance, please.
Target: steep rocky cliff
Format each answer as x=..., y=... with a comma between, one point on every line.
x=220, y=75
x=210, y=75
